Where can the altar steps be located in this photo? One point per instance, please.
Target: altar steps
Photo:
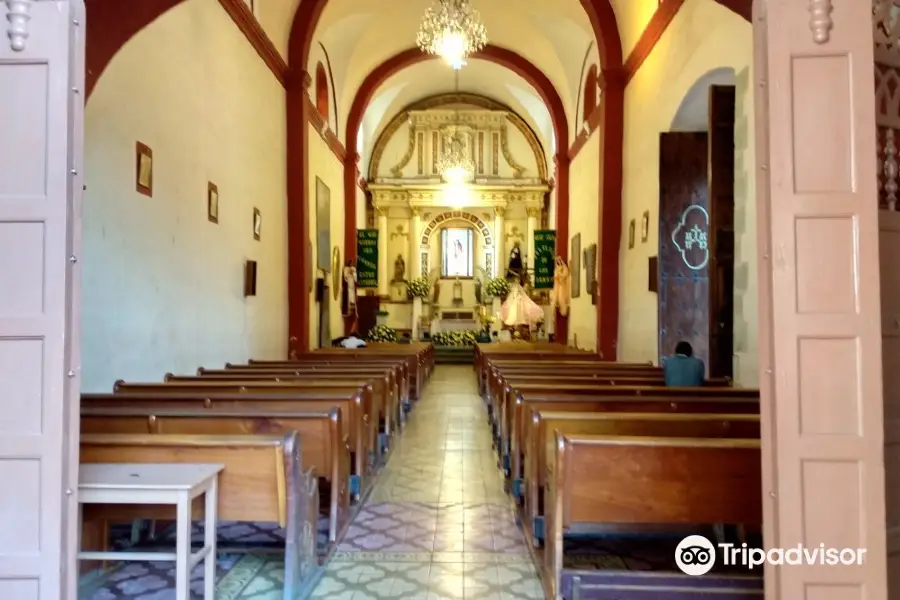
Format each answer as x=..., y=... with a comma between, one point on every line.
x=452, y=355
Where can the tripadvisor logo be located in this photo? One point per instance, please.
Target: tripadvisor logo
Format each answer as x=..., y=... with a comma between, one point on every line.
x=696, y=555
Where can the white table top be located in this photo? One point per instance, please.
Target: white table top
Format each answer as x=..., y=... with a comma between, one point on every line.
x=155, y=476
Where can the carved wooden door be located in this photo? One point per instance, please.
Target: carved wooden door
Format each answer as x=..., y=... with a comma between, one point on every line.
x=820, y=330
x=683, y=243
x=41, y=115
x=721, y=230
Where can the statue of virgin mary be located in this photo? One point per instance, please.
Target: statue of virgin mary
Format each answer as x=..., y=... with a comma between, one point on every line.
x=519, y=309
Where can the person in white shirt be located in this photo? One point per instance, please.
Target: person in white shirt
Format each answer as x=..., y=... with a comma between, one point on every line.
x=353, y=341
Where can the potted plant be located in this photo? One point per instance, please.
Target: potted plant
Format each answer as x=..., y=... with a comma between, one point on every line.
x=498, y=287
x=382, y=334
x=418, y=288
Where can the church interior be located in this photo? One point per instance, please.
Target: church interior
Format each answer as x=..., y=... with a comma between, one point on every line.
x=364, y=300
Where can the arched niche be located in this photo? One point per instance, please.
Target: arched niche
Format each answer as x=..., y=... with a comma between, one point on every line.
x=475, y=101
x=693, y=113
x=450, y=216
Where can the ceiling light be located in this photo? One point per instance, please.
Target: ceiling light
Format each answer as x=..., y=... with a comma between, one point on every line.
x=452, y=30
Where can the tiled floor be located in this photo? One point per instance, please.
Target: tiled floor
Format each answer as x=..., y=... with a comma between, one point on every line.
x=438, y=524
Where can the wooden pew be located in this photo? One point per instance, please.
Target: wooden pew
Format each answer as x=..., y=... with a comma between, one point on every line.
x=385, y=409
x=322, y=445
x=348, y=403
x=369, y=418
x=513, y=411
x=647, y=482
x=694, y=420
x=263, y=481
x=395, y=372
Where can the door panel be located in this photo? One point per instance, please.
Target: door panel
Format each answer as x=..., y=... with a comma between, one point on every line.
x=821, y=359
x=683, y=243
x=42, y=78
x=721, y=230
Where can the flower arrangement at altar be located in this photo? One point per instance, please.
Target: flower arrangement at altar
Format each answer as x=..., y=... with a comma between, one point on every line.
x=487, y=320
x=418, y=288
x=382, y=333
x=498, y=287
x=455, y=338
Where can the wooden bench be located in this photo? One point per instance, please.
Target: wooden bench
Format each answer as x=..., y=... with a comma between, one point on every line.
x=647, y=482
x=693, y=420
x=263, y=481
x=349, y=405
x=368, y=420
x=322, y=445
x=513, y=410
x=395, y=372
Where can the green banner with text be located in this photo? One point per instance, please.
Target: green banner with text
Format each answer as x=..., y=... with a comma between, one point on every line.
x=367, y=258
x=544, y=258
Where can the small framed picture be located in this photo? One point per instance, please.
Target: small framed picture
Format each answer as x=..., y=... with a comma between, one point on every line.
x=631, y=234
x=645, y=227
x=143, y=169
x=257, y=224
x=212, y=202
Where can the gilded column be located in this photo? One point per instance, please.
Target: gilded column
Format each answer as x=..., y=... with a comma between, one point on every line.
x=415, y=262
x=499, y=240
x=383, y=275
x=533, y=214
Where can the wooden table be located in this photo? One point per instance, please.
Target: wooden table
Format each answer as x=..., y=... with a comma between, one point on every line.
x=176, y=484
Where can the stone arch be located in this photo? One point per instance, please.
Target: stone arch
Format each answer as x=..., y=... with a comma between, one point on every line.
x=457, y=215
x=461, y=98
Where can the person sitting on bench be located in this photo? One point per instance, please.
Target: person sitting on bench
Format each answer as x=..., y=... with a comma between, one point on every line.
x=353, y=341
x=684, y=369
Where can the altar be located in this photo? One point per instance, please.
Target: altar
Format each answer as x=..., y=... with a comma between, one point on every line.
x=463, y=320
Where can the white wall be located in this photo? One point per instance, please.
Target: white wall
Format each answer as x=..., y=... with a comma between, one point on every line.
x=584, y=191
x=162, y=286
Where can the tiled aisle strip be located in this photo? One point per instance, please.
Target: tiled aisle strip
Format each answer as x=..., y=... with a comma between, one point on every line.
x=438, y=524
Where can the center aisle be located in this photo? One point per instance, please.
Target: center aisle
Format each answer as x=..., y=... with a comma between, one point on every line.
x=438, y=524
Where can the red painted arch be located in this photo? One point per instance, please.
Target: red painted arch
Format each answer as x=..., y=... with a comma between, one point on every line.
x=497, y=55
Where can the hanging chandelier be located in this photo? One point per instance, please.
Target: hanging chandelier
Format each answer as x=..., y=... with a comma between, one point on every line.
x=452, y=30
x=455, y=165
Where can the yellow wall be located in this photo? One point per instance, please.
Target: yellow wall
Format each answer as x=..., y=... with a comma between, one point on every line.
x=162, y=286
x=584, y=191
x=632, y=17
x=703, y=36
x=325, y=165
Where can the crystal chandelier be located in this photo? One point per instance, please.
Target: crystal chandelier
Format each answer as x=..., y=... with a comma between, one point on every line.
x=453, y=30
x=455, y=166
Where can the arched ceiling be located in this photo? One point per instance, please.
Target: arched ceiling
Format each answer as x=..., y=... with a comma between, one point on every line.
x=361, y=34
x=432, y=77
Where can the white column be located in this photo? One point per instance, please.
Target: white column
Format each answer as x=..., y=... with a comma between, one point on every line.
x=500, y=259
x=415, y=263
x=532, y=225
x=383, y=275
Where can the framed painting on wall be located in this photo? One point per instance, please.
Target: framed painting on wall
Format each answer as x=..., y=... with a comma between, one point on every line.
x=143, y=169
x=323, y=226
x=575, y=265
x=257, y=224
x=645, y=227
x=212, y=202
x=631, y=234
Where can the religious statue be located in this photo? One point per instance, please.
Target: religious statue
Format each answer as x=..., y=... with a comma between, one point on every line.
x=514, y=269
x=561, y=290
x=399, y=269
x=478, y=296
x=348, y=290
x=520, y=312
x=437, y=292
x=457, y=293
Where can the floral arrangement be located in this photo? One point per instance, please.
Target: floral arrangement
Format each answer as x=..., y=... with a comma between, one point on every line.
x=418, y=287
x=455, y=338
x=498, y=287
x=382, y=333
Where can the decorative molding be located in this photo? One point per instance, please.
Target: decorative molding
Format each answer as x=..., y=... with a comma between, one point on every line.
x=480, y=152
x=499, y=211
x=886, y=31
x=518, y=169
x=820, y=22
x=533, y=212
x=420, y=144
x=18, y=16
x=434, y=152
x=495, y=153
x=397, y=170
x=253, y=31
x=399, y=233
x=455, y=215
x=321, y=125
x=515, y=234
x=380, y=211
x=440, y=100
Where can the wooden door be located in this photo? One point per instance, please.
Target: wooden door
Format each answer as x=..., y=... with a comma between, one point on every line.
x=41, y=115
x=721, y=230
x=820, y=326
x=683, y=243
